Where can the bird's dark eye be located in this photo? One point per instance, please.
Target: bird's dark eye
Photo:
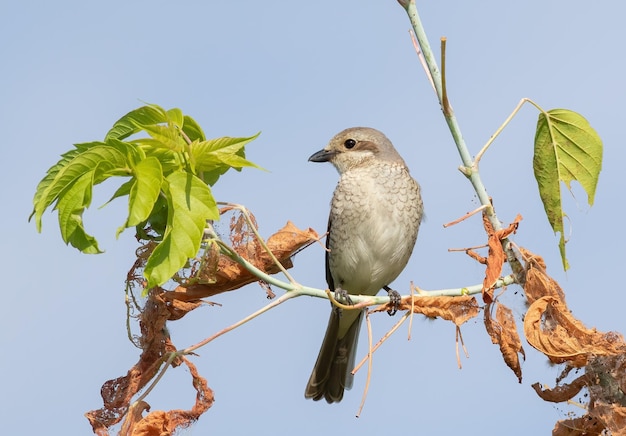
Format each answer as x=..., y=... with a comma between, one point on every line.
x=350, y=143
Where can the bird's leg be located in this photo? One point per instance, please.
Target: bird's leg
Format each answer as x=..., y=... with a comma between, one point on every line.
x=342, y=296
x=394, y=300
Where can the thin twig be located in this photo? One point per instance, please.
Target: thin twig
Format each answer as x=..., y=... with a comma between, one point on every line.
x=170, y=358
x=420, y=56
x=412, y=311
x=246, y=215
x=241, y=322
x=380, y=342
x=369, y=366
x=466, y=216
x=445, y=103
x=497, y=132
x=475, y=247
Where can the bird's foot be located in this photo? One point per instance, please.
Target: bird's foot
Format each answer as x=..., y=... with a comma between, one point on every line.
x=394, y=300
x=342, y=296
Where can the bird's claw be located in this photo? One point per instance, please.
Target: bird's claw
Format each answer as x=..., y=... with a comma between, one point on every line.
x=394, y=300
x=342, y=296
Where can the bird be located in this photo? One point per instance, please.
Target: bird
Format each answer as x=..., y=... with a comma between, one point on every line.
x=375, y=215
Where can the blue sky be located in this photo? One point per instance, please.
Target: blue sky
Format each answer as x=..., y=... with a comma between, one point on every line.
x=301, y=72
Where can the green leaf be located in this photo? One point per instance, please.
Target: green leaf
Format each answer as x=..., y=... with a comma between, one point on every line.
x=66, y=173
x=71, y=207
x=216, y=156
x=190, y=205
x=123, y=190
x=170, y=160
x=567, y=149
x=51, y=175
x=153, y=229
x=175, y=116
x=192, y=129
x=148, y=176
x=134, y=121
x=167, y=136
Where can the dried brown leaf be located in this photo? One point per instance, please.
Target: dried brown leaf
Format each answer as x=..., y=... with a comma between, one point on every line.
x=496, y=256
x=538, y=282
x=456, y=309
x=607, y=376
x=230, y=275
x=161, y=423
x=117, y=393
x=613, y=416
x=477, y=257
x=503, y=331
x=581, y=426
x=561, y=393
x=550, y=328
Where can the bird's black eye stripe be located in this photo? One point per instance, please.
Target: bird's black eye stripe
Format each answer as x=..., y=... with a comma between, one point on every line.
x=350, y=143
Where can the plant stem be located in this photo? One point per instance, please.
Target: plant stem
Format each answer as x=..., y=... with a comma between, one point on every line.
x=469, y=168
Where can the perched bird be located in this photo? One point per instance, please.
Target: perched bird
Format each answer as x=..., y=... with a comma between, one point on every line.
x=375, y=214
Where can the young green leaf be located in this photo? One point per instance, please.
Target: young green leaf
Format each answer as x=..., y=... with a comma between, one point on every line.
x=567, y=149
x=106, y=156
x=71, y=206
x=190, y=205
x=175, y=117
x=133, y=121
x=143, y=194
x=192, y=129
x=216, y=156
x=51, y=175
x=168, y=137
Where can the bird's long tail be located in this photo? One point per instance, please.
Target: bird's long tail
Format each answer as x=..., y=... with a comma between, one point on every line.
x=331, y=373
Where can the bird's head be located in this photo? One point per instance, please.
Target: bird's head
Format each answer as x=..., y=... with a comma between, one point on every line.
x=355, y=147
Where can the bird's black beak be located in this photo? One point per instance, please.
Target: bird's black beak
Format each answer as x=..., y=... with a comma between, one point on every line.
x=322, y=156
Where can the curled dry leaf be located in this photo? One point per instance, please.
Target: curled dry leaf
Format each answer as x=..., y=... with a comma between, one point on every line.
x=503, y=331
x=613, y=416
x=582, y=426
x=456, y=309
x=117, y=393
x=550, y=328
x=496, y=257
x=159, y=423
x=538, y=283
x=565, y=392
x=229, y=275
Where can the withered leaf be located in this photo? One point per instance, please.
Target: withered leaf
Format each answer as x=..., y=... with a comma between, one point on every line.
x=550, y=328
x=582, y=426
x=538, y=282
x=230, y=275
x=160, y=423
x=496, y=257
x=503, y=331
x=456, y=309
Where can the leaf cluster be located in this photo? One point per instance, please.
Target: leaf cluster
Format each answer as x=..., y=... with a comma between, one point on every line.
x=170, y=167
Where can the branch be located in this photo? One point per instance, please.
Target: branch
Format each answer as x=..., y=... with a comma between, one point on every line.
x=469, y=167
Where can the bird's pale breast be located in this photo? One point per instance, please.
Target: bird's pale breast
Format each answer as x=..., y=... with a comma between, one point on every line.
x=375, y=215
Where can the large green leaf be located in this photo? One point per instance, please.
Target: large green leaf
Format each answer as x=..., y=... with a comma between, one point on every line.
x=168, y=136
x=133, y=121
x=567, y=149
x=143, y=194
x=71, y=207
x=97, y=154
x=190, y=205
x=43, y=185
